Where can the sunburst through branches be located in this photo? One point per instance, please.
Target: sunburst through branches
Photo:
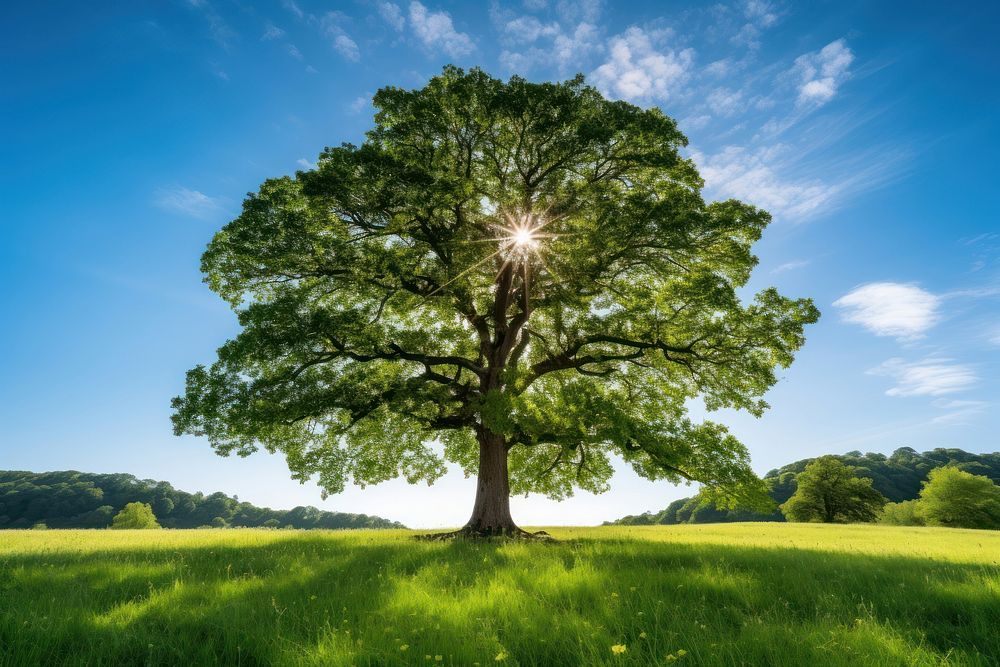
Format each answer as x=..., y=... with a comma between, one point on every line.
x=519, y=241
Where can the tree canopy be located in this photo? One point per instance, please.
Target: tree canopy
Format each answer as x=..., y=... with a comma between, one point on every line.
x=898, y=476
x=829, y=491
x=71, y=499
x=525, y=272
x=953, y=497
x=135, y=516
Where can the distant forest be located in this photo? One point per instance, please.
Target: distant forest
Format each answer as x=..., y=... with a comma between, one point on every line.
x=70, y=499
x=898, y=477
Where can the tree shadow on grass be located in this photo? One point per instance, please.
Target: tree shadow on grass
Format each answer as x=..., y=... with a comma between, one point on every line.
x=319, y=598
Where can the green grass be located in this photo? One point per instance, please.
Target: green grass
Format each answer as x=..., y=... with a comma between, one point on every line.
x=755, y=594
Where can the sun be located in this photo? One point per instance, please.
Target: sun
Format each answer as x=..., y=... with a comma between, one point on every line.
x=523, y=237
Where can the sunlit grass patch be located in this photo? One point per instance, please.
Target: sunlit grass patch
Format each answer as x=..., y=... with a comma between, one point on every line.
x=723, y=594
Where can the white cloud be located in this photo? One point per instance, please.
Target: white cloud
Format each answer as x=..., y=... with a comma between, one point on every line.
x=637, y=71
x=760, y=12
x=305, y=164
x=341, y=41
x=192, y=203
x=392, y=14
x=293, y=8
x=294, y=52
x=571, y=11
x=528, y=29
x=359, y=103
x=272, y=31
x=566, y=50
x=822, y=72
x=758, y=15
x=521, y=61
x=738, y=173
x=220, y=30
x=930, y=377
x=694, y=122
x=791, y=266
x=725, y=102
x=347, y=47
x=719, y=68
x=891, y=309
x=436, y=31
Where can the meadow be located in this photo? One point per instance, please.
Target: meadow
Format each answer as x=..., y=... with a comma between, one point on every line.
x=728, y=594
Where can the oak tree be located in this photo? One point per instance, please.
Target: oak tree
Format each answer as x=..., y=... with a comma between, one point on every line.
x=829, y=491
x=520, y=278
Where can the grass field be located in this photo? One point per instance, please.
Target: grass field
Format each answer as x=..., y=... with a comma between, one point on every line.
x=755, y=594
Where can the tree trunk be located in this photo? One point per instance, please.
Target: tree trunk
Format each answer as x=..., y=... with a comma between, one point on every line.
x=491, y=512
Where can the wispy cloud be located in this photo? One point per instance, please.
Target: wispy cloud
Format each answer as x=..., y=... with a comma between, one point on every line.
x=528, y=29
x=291, y=6
x=958, y=412
x=217, y=26
x=305, y=164
x=272, y=31
x=359, y=103
x=725, y=102
x=331, y=26
x=573, y=11
x=753, y=176
x=791, y=266
x=193, y=203
x=929, y=377
x=760, y=12
x=437, y=32
x=638, y=70
x=759, y=15
x=904, y=311
x=531, y=43
x=392, y=14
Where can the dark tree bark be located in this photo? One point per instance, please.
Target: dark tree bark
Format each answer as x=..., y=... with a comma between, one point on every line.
x=491, y=510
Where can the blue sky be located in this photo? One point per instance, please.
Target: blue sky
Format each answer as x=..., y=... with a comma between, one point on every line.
x=130, y=133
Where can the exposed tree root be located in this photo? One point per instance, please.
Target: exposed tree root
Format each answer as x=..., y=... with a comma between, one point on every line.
x=467, y=533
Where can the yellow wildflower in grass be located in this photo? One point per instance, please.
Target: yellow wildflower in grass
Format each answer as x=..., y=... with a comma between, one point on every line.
x=438, y=658
x=614, y=595
x=642, y=635
x=681, y=653
x=404, y=647
x=501, y=656
x=618, y=649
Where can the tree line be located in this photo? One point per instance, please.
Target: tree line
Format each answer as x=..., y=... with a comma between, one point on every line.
x=899, y=479
x=70, y=499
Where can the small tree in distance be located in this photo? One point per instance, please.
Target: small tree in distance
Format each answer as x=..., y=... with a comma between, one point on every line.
x=135, y=515
x=904, y=513
x=526, y=273
x=829, y=491
x=955, y=498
